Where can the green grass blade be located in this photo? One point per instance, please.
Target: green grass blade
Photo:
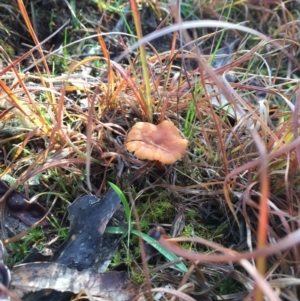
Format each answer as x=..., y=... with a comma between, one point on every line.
x=155, y=244
x=125, y=203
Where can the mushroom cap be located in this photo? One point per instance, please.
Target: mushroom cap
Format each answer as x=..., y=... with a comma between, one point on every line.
x=160, y=142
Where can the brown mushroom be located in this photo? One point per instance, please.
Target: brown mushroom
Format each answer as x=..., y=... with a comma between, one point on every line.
x=160, y=142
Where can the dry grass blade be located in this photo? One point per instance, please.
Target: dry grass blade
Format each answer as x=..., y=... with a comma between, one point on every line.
x=32, y=32
x=230, y=255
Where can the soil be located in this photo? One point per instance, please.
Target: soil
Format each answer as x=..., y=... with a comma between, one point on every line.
x=48, y=16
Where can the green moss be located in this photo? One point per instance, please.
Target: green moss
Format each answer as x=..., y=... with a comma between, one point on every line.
x=8, y=49
x=229, y=286
x=19, y=250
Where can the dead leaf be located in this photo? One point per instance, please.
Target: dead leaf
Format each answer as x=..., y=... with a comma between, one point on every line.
x=88, y=217
x=44, y=277
x=19, y=206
